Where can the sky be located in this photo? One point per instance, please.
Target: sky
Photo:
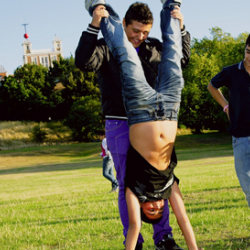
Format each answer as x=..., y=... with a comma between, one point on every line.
x=67, y=19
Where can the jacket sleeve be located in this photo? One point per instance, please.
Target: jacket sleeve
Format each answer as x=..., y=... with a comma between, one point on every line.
x=89, y=53
x=185, y=48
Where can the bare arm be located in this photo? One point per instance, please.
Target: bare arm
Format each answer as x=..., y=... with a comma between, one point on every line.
x=218, y=97
x=134, y=219
x=178, y=207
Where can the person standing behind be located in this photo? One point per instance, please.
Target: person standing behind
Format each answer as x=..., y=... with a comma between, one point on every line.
x=237, y=79
x=108, y=163
x=93, y=55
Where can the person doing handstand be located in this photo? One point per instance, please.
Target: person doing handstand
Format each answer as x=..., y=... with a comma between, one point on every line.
x=152, y=117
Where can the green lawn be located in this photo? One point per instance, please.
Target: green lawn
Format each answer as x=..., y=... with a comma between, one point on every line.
x=55, y=197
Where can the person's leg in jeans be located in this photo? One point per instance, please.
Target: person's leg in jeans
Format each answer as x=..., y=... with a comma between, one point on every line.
x=170, y=76
x=117, y=134
x=111, y=172
x=241, y=148
x=107, y=167
x=170, y=80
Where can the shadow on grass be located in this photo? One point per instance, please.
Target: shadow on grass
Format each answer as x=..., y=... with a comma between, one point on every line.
x=188, y=147
x=232, y=243
x=213, y=190
x=40, y=168
x=64, y=221
x=183, y=144
x=204, y=139
x=69, y=150
x=109, y=197
x=204, y=153
x=207, y=206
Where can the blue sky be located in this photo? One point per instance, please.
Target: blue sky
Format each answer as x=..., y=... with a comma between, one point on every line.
x=67, y=19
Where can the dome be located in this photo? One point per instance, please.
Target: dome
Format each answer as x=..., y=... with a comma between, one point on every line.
x=2, y=69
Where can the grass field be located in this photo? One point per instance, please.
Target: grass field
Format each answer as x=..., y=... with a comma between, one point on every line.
x=55, y=197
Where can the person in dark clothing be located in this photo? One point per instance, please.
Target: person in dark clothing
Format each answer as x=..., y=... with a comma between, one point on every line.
x=237, y=79
x=93, y=55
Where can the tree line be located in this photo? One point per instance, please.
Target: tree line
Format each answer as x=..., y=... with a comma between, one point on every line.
x=32, y=92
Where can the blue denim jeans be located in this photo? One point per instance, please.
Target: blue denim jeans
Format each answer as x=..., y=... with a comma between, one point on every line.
x=241, y=148
x=142, y=103
x=117, y=134
x=107, y=170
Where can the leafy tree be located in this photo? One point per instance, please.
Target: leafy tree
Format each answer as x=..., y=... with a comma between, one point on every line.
x=197, y=107
x=227, y=49
x=76, y=83
x=12, y=96
x=85, y=118
x=208, y=57
x=28, y=95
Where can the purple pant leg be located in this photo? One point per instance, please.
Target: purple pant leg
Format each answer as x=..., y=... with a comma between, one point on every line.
x=117, y=134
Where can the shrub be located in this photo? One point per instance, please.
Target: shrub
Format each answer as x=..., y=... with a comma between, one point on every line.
x=85, y=119
x=38, y=134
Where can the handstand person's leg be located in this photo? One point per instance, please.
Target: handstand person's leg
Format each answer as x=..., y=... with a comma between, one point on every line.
x=170, y=80
x=170, y=84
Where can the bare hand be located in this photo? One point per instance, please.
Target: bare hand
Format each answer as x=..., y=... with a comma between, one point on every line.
x=176, y=13
x=99, y=12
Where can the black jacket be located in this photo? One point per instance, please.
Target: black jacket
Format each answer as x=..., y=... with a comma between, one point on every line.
x=94, y=55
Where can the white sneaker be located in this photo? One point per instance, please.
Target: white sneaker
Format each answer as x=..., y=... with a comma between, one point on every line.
x=90, y=4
